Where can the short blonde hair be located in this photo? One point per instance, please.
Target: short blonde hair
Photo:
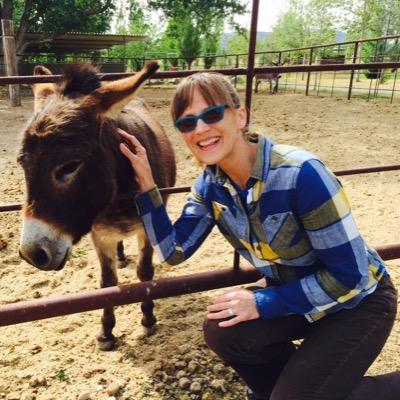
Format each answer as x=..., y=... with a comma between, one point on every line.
x=214, y=87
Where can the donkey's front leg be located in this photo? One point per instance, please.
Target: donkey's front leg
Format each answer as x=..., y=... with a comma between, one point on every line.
x=106, y=248
x=145, y=272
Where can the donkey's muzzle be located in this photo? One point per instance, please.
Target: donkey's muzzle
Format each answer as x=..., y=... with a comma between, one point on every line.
x=42, y=246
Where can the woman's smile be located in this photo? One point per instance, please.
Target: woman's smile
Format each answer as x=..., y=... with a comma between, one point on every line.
x=209, y=143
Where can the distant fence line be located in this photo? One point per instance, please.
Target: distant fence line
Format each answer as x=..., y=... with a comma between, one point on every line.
x=290, y=69
x=371, y=81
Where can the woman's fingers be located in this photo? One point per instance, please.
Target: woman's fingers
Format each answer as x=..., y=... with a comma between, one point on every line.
x=133, y=150
x=126, y=151
x=225, y=313
x=131, y=142
x=230, y=322
x=233, y=307
x=219, y=306
x=227, y=296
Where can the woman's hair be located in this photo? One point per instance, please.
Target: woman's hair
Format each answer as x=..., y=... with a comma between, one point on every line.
x=214, y=87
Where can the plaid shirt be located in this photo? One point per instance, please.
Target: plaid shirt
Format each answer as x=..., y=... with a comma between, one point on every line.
x=292, y=222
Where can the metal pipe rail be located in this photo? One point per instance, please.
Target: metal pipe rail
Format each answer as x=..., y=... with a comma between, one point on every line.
x=8, y=80
x=55, y=306
x=184, y=189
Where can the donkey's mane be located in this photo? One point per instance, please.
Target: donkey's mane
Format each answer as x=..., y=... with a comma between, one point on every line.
x=79, y=80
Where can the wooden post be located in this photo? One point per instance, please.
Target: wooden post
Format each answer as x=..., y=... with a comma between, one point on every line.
x=355, y=54
x=10, y=60
x=309, y=73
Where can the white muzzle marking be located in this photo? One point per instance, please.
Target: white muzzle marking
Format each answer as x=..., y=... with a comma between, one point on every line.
x=44, y=246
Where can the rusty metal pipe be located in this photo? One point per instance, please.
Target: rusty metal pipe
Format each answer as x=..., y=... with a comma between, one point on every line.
x=32, y=310
x=56, y=306
x=250, y=58
x=367, y=170
x=28, y=79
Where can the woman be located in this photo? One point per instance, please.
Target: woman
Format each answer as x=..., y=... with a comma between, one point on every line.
x=287, y=214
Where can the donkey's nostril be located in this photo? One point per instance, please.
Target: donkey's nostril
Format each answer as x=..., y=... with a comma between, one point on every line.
x=40, y=258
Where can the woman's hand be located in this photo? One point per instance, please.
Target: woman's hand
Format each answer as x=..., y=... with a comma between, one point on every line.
x=133, y=150
x=239, y=304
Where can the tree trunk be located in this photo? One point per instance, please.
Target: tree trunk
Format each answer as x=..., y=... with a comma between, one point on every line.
x=10, y=60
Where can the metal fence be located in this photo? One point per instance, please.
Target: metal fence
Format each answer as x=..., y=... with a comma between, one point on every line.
x=79, y=302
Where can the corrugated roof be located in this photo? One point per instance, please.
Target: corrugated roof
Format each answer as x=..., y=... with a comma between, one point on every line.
x=81, y=42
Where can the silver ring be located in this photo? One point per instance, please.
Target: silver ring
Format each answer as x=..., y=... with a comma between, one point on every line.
x=231, y=312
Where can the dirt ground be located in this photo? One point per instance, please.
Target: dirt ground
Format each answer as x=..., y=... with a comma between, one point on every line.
x=56, y=359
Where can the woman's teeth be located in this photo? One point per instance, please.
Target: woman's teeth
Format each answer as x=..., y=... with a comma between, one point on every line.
x=208, y=142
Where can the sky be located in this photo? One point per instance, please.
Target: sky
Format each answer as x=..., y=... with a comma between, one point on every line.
x=268, y=12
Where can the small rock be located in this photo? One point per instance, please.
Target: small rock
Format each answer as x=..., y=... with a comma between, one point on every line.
x=84, y=396
x=35, y=382
x=195, y=387
x=160, y=376
x=180, y=364
x=218, y=368
x=28, y=396
x=180, y=374
x=113, y=388
x=3, y=243
x=13, y=396
x=184, y=383
x=36, y=349
x=218, y=384
x=192, y=366
x=184, y=349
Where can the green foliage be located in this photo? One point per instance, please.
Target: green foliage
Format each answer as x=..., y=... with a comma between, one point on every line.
x=66, y=16
x=53, y=18
x=61, y=375
x=195, y=27
x=137, y=23
x=303, y=25
x=201, y=11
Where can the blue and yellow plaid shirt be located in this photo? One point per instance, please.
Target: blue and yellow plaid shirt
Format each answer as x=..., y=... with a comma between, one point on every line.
x=293, y=222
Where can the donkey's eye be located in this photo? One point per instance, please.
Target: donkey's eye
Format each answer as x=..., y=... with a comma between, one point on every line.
x=67, y=169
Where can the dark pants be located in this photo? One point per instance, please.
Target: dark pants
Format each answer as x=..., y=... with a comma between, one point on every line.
x=330, y=362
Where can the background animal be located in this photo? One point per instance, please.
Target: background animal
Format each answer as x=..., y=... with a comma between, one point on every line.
x=271, y=77
x=77, y=180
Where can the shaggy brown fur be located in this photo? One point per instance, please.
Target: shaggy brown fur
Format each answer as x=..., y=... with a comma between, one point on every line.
x=77, y=179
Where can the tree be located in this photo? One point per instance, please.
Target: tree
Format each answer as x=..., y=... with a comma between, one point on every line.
x=131, y=19
x=196, y=26
x=362, y=19
x=210, y=44
x=54, y=18
x=303, y=25
x=202, y=11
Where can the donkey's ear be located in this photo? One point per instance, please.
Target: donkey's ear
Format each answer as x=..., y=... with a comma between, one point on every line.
x=112, y=97
x=42, y=90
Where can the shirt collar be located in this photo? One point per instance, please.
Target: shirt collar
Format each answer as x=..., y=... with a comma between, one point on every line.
x=261, y=163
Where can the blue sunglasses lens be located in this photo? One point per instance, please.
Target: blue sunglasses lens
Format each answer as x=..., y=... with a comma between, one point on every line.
x=211, y=115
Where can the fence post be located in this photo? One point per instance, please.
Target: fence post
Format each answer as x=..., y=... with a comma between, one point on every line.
x=10, y=60
x=279, y=63
x=236, y=66
x=309, y=73
x=352, y=72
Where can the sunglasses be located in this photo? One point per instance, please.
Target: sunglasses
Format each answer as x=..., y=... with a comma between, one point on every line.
x=210, y=115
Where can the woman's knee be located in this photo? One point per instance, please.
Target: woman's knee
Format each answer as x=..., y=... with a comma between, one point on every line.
x=218, y=339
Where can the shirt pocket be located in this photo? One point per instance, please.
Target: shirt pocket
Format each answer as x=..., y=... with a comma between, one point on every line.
x=280, y=230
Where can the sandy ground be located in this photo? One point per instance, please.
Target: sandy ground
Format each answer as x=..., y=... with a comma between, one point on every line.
x=57, y=359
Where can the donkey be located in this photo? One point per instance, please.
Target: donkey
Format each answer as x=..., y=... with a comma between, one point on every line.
x=268, y=77
x=77, y=181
